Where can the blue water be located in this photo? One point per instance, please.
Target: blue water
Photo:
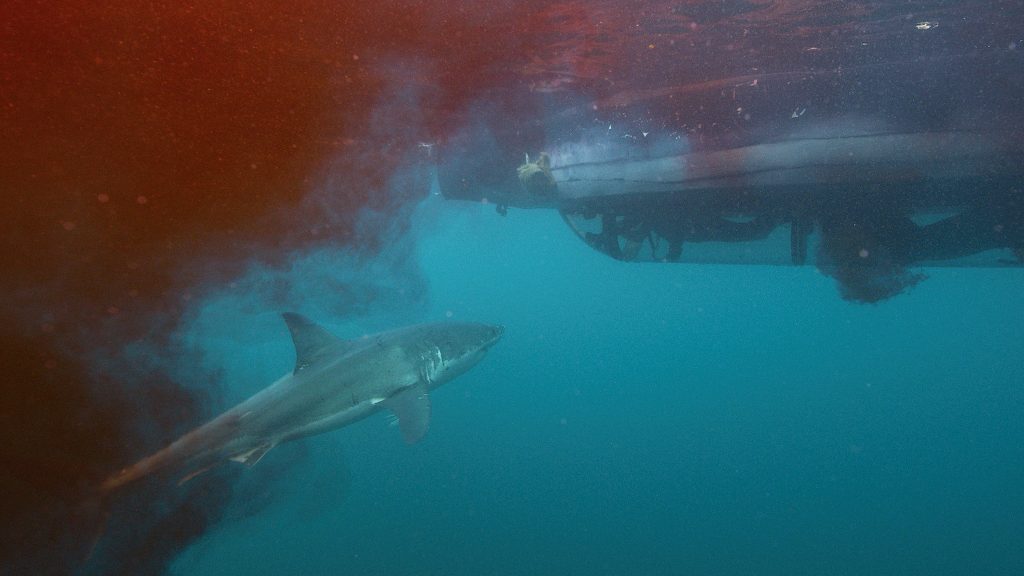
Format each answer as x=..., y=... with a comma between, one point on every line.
x=640, y=419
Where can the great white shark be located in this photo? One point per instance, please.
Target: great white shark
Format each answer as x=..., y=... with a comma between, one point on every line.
x=335, y=383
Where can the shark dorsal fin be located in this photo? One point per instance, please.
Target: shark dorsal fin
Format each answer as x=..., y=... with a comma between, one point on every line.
x=310, y=339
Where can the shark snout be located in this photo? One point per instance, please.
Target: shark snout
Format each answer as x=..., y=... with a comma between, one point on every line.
x=494, y=334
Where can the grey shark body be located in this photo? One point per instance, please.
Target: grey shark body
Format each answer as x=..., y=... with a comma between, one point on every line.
x=335, y=382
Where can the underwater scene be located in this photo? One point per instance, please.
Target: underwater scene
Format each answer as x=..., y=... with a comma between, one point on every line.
x=725, y=287
x=646, y=420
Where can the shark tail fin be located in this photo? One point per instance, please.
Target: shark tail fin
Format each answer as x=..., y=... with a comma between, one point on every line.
x=91, y=516
x=95, y=508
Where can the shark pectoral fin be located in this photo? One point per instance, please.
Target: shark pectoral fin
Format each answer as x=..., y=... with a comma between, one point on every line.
x=253, y=456
x=412, y=407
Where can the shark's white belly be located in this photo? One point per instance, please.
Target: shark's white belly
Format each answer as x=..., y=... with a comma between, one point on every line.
x=333, y=421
